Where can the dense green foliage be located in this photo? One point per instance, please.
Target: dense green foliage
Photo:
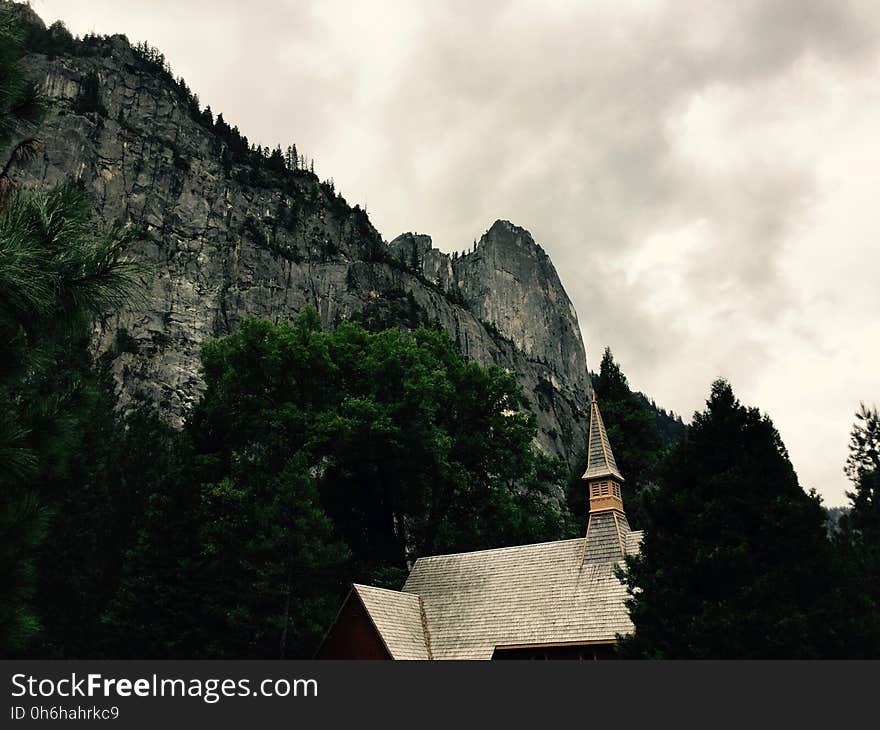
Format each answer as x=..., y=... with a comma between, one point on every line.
x=735, y=561
x=57, y=272
x=863, y=468
x=317, y=457
x=314, y=458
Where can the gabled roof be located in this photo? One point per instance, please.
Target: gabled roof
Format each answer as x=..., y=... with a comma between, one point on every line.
x=399, y=620
x=530, y=594
x=466, y=605
x=600, y=458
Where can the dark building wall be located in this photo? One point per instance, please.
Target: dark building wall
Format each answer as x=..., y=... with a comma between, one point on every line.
x=576, y=652
x=353, y=635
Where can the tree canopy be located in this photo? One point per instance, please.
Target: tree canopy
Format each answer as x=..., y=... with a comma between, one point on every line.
x=735, y=561
x=316, y=457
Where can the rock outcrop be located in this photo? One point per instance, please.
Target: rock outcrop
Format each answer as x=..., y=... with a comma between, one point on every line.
x=224, y=242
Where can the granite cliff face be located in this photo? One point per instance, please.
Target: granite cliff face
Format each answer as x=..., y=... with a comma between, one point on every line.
x=509, y=282
x=225, y=243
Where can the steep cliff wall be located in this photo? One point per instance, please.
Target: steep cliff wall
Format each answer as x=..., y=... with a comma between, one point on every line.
x=224, y=242
x=508, y=282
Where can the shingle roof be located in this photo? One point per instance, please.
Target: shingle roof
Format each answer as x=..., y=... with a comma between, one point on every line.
x=531, y=594
x=399, y=620
x=607, y=536
x=600, y=458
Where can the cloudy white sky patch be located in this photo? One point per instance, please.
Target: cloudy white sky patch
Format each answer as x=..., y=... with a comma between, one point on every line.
x=704, y=175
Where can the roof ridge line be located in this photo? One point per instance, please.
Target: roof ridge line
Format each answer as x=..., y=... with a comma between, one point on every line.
x=370, y=616
x=603, y=436
x=619, y=538
x=498, y=549
x=379, y=588
x=425, y=628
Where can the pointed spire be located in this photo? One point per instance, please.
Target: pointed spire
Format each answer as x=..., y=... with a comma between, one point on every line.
x=607, y=526
x=600, y=458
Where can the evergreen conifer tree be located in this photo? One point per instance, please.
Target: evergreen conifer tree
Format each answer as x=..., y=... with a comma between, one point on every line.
x=735, y=561
x=858, y=540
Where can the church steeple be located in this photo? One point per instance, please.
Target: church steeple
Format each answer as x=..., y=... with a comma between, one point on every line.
x=607, y=527
x=602, y=477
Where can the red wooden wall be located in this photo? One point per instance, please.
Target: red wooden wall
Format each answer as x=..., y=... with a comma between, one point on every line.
x=353, y=636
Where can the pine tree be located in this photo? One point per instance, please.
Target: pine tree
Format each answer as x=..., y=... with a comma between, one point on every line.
x=23, y=517
x=58, y=271
x=858, y=540
x=222, y=129
x=207, y=117
x=735, y=561
x=863, y=467
x=276, y=160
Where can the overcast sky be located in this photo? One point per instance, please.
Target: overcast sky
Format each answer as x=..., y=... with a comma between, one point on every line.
x=704, y=175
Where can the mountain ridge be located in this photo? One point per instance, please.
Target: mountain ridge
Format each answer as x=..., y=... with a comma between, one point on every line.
x=231, y=233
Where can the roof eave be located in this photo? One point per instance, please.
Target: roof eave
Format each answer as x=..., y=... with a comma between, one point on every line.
x=602, y=473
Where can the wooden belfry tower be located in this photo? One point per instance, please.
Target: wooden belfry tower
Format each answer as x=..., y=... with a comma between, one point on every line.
x=607, y=528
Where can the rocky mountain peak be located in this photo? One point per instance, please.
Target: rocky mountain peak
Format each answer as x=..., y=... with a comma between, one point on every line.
x=230, y=232
x=408, y=244
x=505, y=232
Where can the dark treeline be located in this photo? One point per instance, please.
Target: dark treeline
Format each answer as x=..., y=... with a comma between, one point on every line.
x=320, y=456
x=738, y=560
